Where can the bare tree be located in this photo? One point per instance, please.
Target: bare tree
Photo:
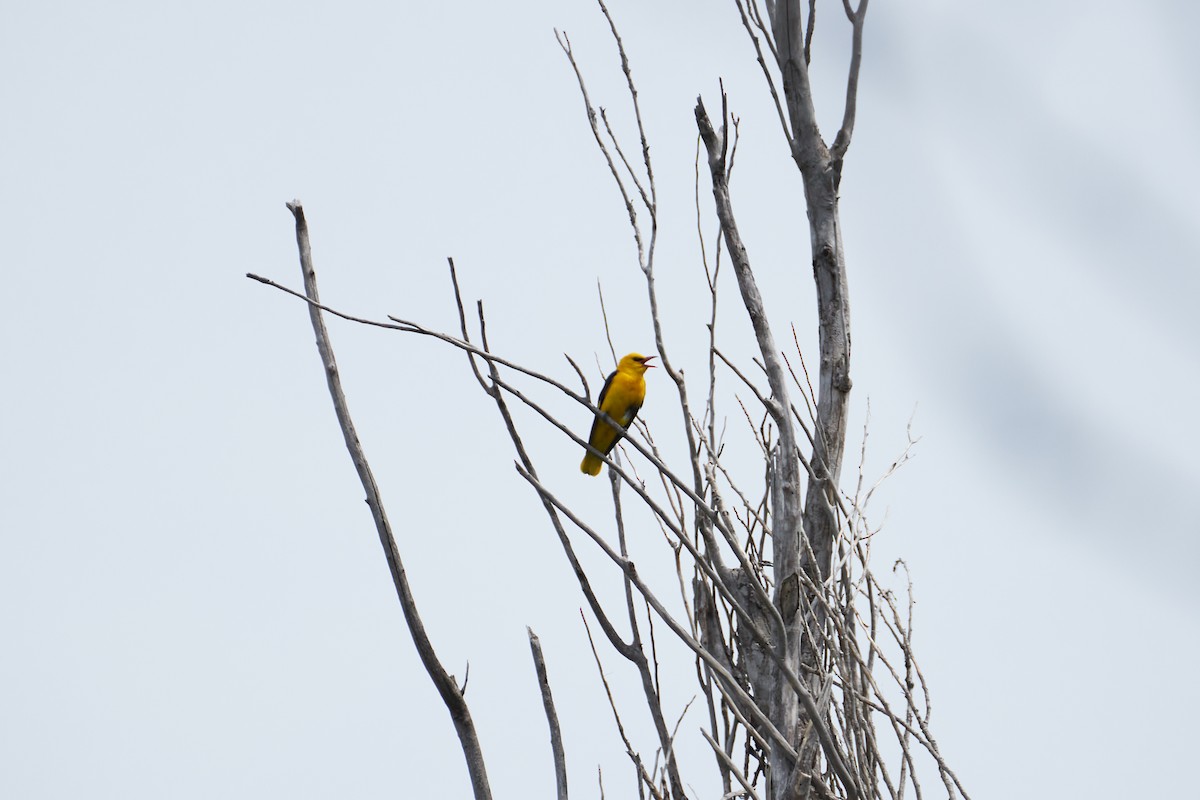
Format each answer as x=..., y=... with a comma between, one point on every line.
x=801, y=655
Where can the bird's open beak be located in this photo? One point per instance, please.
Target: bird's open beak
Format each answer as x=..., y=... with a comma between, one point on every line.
x=646, y=361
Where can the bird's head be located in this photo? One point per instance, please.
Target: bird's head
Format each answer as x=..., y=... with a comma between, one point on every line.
x=635, y=363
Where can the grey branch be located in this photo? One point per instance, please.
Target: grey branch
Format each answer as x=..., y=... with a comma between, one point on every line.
x=460, y=715
x=842, y=141
x=556, y=745
x=729, y=765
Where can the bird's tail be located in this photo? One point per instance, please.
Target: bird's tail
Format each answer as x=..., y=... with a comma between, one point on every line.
x=591, y=464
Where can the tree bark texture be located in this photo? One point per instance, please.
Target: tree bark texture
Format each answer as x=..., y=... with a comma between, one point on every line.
x=821, y=174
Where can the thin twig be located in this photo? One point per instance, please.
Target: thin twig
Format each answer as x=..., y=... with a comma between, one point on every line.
x=727, y=762
x=644, y=776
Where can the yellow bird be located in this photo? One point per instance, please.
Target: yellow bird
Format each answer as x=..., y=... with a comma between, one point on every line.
x=620, y=398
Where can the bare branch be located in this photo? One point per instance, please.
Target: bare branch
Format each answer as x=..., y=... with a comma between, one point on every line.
x=637, y=109
x=663, y=614
x=556, y=745
x=808, y=32
x=565, y=43
x=751, y=298
x=637, y=655
x=607, y=331
x=462, y=322
x=762, y=62
x=580, y=575
x=637, y=183
x=450, y=693
x=644, y=777
x=841, y=142
x=729, y=765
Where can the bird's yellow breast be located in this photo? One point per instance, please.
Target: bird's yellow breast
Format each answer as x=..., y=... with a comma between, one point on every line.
x=624, y=397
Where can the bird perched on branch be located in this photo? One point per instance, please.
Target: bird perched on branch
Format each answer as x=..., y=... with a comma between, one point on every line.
x=620, y=399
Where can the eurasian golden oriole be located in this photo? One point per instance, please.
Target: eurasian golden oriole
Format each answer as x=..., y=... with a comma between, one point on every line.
x=620, y=399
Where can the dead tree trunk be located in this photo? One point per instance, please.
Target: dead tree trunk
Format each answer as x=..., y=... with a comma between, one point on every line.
x=803, y=545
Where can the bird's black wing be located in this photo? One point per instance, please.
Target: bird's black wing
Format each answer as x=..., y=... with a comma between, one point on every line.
x=604, y=391
x=599, y=404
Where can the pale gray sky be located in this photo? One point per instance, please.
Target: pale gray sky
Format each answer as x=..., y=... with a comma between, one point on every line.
x=193, y=602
